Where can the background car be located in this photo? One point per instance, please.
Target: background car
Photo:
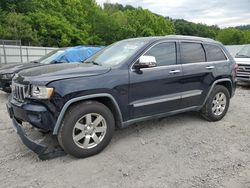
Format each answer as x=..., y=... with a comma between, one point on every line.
x=242, y=58
x=63, y=55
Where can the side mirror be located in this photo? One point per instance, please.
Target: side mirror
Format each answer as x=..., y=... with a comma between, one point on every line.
x=145, y=62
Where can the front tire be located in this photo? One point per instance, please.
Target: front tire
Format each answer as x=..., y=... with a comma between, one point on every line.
x=87, y=129
x=217, y=104
x=7, y=89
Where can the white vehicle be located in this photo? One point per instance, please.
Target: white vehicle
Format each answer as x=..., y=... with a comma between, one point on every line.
x=242, y=58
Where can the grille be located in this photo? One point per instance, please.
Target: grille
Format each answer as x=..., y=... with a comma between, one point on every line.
x=244, y=68
x=19, y=91
x=243, y=71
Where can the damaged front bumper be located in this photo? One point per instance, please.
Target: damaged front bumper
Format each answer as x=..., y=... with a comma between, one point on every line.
x=41, y=150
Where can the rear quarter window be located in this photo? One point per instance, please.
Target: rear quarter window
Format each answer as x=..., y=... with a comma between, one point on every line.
x=192, y=53
x=214, y=53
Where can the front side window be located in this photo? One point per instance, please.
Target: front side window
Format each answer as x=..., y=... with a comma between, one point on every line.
x=164, y=53
x=214, y=53
x=192, y=53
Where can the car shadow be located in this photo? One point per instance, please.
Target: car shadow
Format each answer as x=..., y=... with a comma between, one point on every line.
x=144, y=128
x=243, y=85
x=133, y=130
x=4, y=95
x=155, y=124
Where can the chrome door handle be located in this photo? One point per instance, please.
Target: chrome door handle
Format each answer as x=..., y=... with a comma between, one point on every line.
x=210, y=67
x=174, y=71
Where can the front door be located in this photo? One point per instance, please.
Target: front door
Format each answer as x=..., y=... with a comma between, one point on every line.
x=157, y=89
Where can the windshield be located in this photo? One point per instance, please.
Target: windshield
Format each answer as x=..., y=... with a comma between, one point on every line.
x=116, y=53
x=51, y=56
x=244, y=52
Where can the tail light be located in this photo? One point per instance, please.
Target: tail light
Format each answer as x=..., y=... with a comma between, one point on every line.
x=236, y=67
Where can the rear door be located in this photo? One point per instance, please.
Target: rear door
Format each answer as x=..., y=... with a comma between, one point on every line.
x=198, y=75
x=217, y=56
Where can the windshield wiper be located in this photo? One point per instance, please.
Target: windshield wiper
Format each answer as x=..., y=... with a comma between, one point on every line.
x=242, y=55
x=93, y=62
x=35, y=61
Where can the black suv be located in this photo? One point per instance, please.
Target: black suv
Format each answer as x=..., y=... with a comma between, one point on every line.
x=127, y=82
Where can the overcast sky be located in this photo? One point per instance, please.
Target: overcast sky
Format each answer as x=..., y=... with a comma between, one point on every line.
x=223, y=13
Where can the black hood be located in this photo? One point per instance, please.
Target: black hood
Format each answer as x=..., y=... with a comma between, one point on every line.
x=46, y=74
x=11, y=69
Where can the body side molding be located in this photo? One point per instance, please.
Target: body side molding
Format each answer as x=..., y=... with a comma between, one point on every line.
x=192, y=108
x=66, y=106
x=165, y=98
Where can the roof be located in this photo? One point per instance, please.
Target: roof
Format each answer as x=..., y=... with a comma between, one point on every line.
x=190, y=38
x=176, y=37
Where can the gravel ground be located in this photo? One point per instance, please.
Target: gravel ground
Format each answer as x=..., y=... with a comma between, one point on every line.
x=177, y=151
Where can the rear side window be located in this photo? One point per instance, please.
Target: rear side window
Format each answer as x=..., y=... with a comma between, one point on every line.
x=214, y=53
x=164, y=53
x=192, y=53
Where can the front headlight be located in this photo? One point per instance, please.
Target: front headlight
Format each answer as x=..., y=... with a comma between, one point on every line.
x=41, y=92
x=7, y=76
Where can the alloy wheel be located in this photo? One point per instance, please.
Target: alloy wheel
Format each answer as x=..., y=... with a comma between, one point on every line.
x=219, y=103
x=89, y=130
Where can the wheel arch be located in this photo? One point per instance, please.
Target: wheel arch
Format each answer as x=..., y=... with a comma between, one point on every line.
x=228, y=85
x=104, y=98
x=226, y=82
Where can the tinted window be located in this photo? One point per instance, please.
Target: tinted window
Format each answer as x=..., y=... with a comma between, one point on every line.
x=192, y=53
x=164, y=53
x=214, y=53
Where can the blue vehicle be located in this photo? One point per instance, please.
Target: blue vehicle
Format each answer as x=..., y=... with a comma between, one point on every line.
x=63, y=55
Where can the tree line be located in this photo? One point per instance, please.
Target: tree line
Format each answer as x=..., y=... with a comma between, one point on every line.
x=75, y=22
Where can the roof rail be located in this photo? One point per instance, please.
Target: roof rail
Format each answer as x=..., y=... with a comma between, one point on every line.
x=190, y=37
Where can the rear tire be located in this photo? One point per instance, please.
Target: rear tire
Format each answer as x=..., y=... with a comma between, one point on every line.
x=217, y=104
x=87, y=129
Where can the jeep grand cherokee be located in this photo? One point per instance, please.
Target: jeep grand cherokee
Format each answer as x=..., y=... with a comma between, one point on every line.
x=127, y=82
